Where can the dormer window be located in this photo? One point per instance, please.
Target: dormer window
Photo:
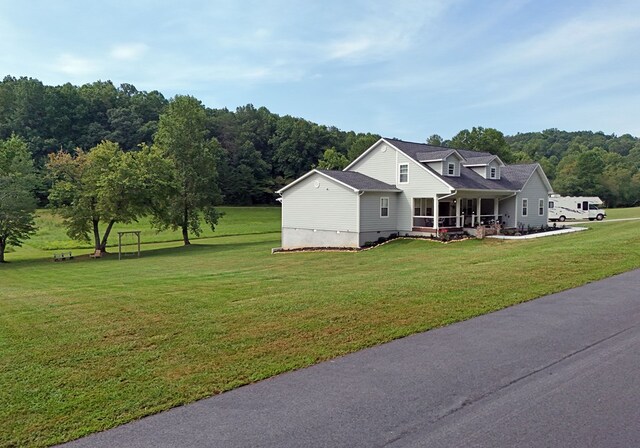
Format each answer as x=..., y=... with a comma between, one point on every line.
x=451, y=171
x=493, y=171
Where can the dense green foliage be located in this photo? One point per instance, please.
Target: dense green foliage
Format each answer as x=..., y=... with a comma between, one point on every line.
x=17, y=201
x=585, y=163
x=262, y=151
x=576, y=163
x=182, y=138
x=79, y=353
x=104, y=186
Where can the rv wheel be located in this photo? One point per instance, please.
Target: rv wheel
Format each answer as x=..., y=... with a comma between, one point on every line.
x=562, y=218
x=600, y=217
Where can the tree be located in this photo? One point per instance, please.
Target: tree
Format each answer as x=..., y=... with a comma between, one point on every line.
x=485, y=140
x=182, y=137
x=435, y=140
x=332, y=160
x=104, y=186
x=17, y=202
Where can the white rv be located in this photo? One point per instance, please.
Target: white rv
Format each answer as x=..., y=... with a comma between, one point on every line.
x=562, y=208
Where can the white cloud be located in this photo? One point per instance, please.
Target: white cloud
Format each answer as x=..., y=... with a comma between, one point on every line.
x=75, y=65
x=384, y=30
x=128, y=52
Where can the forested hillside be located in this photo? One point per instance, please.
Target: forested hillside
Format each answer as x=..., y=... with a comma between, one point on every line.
x=262, y=151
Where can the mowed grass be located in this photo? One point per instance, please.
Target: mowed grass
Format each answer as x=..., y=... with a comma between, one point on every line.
x=621, y=213
x=87, y=345
x=236, y=221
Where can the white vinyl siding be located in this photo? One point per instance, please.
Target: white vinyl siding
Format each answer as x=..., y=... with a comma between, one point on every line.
x=525, y=207
x=380, y=163
x=403, y=173
x=320, y=203
x=384, y=207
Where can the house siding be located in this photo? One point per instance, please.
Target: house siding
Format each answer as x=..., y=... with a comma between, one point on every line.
x=534, y=190
x=372, y=226
x=380, y=164
x=383, y=165
x=324, y=216
x=506, y=209
x=422, y=184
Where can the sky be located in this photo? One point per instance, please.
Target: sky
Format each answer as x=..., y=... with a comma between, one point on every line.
x=405, y=69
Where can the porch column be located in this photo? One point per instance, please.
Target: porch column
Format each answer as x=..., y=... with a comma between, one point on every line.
x=495, y=209
x=436, y=212
x=479, y=209
x=458, y=212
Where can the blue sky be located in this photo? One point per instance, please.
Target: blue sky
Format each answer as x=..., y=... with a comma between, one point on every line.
x=405, y=69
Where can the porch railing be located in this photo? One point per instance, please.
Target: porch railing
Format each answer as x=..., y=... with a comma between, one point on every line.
x=452, y=221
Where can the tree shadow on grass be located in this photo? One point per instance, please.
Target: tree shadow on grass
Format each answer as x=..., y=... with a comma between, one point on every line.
x=197, y=248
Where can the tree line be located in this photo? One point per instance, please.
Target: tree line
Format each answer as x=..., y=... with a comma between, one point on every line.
x=100, y=154
x=581, y=163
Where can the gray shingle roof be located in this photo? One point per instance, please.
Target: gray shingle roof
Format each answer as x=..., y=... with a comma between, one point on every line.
x=434, y=155
x=512, y=177
x=412, y=149
x=358, y=180
x=481, y=160
x=518, y=175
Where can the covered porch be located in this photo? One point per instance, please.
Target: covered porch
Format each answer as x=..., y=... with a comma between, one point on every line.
x=458, y=212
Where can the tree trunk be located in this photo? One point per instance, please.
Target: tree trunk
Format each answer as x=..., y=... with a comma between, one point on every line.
x=3, y=245
x=185, y=227
x=105, y=237
x=96, y=235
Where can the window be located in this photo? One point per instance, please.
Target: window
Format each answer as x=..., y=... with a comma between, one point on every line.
x=452, y=169
x=384, y=207
x=403, y=175
x=540, y=207
x=579, y=206
x=525, y=207
x=552, y=204
x=492, y=172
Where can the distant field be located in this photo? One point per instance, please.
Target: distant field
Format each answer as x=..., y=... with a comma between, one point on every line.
x=237, y=221
x=90, y=344
x=618, y=213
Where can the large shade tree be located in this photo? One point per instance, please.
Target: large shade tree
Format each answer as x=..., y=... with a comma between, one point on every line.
x=17, y=201
x=105, y=186
x=183, y=138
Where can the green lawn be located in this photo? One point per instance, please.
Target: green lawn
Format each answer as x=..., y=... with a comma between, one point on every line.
x=618, y=213
x=237, y=221
x=89, y=344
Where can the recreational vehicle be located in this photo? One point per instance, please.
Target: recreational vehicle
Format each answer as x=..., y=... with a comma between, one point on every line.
x=562, y=208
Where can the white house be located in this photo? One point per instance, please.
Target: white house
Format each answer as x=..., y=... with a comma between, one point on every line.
x=410, y=189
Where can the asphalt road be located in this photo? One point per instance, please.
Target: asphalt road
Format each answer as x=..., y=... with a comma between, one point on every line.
x=560, y=371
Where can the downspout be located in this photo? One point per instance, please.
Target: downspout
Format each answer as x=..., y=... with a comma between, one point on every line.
x=360, y=193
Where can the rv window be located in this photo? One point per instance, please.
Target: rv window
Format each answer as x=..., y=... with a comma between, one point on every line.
x=551, y=204
x=593, y=207
x=579, y=206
